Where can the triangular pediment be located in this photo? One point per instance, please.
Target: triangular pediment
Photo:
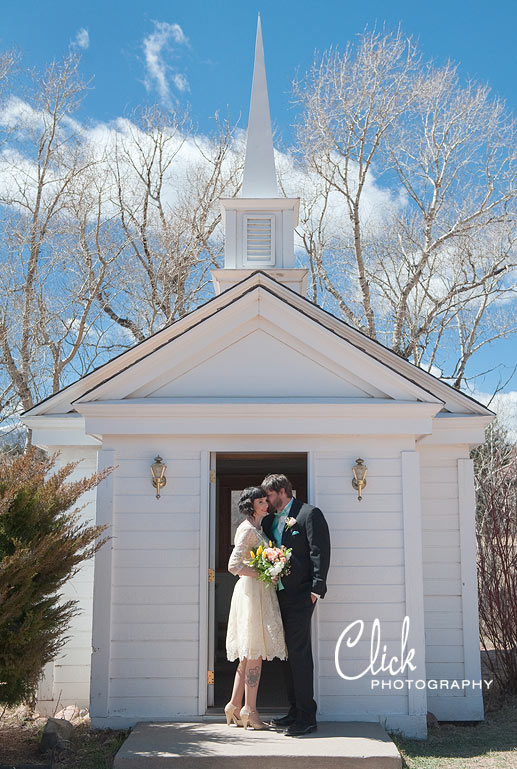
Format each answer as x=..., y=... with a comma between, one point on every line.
x=258, y=348
x=259, y=364
x=257, y=339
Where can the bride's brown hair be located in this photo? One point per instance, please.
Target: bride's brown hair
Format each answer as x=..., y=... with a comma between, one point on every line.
x=247, y=498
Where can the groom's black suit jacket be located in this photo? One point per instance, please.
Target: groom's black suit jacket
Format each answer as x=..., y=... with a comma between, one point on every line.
x=310, y=542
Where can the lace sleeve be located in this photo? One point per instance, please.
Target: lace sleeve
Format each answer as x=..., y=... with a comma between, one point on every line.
x=245, y=540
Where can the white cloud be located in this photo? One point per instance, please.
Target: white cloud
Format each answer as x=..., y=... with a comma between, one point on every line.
x=158, y=71
x=16, y=113
x=81, y=40
x=181, y=82
x=505, y=406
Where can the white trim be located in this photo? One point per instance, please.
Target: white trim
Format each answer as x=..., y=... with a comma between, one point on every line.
x=457, y=428
x=329, y=419
x=46, y=684
x=468, y=708
x=414, y=581
x=409, y=726
x=102, y=591
x=469, y=592
x=261, y=204
x=204, y=523
x=59, y=430
x=294, y=278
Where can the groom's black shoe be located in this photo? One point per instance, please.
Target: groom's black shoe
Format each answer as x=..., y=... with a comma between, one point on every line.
x=287, y=720
x=297, y=728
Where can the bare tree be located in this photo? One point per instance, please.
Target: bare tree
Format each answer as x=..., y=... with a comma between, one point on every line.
x=41, y=163
x=165, y=190
x=496, y=528
x=411, y=230
x=106, y=234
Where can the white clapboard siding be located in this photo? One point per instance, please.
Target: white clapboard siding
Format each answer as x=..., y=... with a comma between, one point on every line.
x=139, y=467
x=152, y=707
x=155, y=631
x=347, y=556
x=167, y=576
x=160, y=686
x=154, y=668
x=366, y=580
x=162, y=521
x=337, y=620
x=155, y=614
x=166, y=613
x=152, y=650
x=375, y=704
x=442, y=563
x=328, y=466
x=157, y=540
x=157, y=594
x=73, y=692
x=67, y=673
x=67, y=679
x=450, y=653
x=343, y=503
x=142, y=559
x=147, y=503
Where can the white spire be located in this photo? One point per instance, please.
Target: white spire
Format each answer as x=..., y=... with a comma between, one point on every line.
x=259, y=168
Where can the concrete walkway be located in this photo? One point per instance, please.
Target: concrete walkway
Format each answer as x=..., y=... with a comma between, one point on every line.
x=336, y=745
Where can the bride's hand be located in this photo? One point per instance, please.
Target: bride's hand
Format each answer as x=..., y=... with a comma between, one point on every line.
x=274, y=580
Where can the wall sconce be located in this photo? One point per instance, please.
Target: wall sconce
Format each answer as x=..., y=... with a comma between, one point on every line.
x=359, y=480
x=158, y=472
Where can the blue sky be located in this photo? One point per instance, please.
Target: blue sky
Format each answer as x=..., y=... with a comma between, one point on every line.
x=201, y=54
x=216, y=58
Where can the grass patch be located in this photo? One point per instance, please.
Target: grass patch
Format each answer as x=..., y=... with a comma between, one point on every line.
x=491, y=744
x=91, y=749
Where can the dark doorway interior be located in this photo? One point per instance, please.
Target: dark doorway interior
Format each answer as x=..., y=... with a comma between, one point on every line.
x=234, y=473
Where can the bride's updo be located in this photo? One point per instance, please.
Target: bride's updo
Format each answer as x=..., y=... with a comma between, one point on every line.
x=247, y=498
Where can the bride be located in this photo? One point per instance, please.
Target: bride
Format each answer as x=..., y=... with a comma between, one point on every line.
x=255, y=630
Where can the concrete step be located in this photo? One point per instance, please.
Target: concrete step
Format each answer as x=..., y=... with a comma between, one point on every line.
x=336, y=745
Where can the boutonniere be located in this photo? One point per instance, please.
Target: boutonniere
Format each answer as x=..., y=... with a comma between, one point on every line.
x=290, y=523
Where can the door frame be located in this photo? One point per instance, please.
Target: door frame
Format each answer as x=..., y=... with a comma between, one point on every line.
x=207, y=490
x=208, y=523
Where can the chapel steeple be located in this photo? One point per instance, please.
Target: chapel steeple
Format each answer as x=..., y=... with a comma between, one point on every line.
x=259, y=180
x=259, y=225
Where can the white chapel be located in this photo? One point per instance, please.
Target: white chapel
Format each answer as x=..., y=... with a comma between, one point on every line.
x=257, y=380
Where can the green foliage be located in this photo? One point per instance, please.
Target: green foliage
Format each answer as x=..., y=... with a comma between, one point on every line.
x=42, y=545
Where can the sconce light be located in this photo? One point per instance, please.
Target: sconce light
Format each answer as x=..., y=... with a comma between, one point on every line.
x=359, y=480
x=158, y=472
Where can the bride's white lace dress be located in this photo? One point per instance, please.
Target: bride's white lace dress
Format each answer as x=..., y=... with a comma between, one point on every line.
x=254, y=625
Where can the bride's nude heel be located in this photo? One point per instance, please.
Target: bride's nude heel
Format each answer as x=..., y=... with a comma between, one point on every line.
x=251, y=717
x=229, y=711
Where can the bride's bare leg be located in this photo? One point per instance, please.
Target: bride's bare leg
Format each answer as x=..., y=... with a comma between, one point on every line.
x=238, y=685
x=251, y=683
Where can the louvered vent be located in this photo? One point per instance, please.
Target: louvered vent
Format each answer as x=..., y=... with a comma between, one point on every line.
x=259, y=240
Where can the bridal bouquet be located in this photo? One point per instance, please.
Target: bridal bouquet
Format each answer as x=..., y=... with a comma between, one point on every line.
x=271, y=562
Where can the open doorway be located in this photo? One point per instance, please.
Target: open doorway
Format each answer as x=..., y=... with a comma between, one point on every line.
x=234, y=472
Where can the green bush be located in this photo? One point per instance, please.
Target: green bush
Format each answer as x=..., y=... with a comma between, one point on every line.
x=42, y=545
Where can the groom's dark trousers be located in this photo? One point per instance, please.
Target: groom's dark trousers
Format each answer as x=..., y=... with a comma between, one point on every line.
x=308, y=537
x=296, y=615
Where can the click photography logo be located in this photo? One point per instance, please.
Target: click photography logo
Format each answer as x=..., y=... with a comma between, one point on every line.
x=387, y=671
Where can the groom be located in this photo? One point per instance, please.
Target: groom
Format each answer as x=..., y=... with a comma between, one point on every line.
x=303, y=528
